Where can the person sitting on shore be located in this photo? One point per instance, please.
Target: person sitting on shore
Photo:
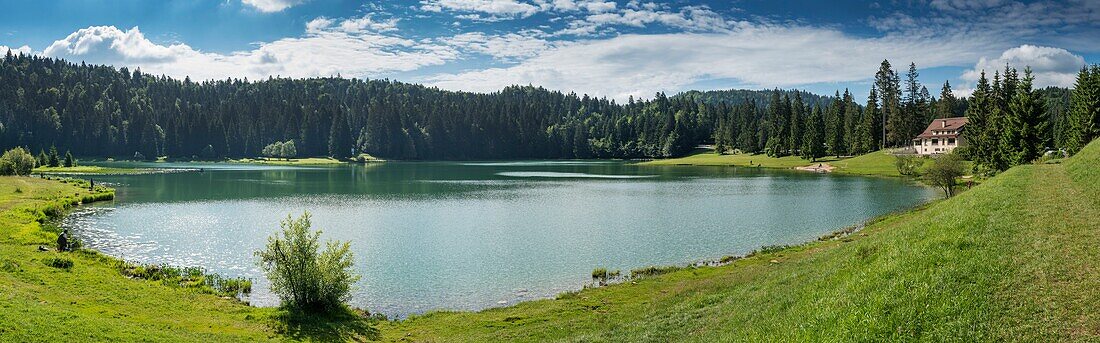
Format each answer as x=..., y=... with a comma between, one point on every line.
x=63, y=241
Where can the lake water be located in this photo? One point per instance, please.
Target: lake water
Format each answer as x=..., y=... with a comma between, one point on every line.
x=468, y=236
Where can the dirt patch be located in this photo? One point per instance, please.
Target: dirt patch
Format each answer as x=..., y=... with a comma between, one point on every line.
x=817, y=168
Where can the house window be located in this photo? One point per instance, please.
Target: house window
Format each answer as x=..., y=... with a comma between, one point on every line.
x=935, y=141
x=950, y=141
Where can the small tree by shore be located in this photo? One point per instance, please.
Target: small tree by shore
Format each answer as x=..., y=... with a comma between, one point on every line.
x=17, y=162
x=943, y=172
x=305, y=278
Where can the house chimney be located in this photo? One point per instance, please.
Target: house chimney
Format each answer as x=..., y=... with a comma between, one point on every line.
x=943, y=123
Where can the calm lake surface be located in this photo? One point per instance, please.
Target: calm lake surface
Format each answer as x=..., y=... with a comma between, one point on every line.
x=468, y=236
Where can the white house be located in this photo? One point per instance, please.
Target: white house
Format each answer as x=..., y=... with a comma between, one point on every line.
x=942, y=136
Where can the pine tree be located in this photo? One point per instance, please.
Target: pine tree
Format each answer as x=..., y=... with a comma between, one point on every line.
x=1025, y=136
x=43, y=160
x=339, y=141
x=748, y=138
x=54, y=159
x=813, y=141
x=870, y=124
x=851, y=122
x=69, y=161
x=945, y=107
x=778, y=117
x=978, y=129
x=1083, y=121
x=888, y=84
x=798, y=121
x=834, y=126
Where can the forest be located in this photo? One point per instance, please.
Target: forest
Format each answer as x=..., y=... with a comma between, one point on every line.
x=102, y=111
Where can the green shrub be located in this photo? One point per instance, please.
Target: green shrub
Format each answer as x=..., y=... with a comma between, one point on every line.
x=305, y=278
x=603, y=276
x=16, y=161
x=59, y=262
x=652, y=271
x=943, y=172
x=908, y=164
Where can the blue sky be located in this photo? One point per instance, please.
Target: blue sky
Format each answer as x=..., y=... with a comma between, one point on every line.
x=606, y=48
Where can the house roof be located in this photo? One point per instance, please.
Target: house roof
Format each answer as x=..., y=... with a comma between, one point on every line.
x=944, y=128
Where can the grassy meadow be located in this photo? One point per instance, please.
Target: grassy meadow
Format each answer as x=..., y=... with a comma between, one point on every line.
x=305, y=161
x=1013, y=259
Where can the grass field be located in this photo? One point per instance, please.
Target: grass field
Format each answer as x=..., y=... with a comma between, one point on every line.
x=710, y=158
x=93, y=170
x=1012, y=259
x=878, y=163
x=308, y=161
x=92, y=301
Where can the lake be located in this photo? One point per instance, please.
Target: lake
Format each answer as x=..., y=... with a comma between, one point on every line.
x=472, y=235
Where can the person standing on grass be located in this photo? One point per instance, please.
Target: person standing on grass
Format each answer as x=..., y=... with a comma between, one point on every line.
x=63, y=241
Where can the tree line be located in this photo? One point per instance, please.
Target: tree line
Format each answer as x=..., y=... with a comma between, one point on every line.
x=102, y=111
x=1011, y=123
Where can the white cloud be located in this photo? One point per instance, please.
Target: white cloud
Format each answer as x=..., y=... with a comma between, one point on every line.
x=319, y=24
x=509, y=8
x=327, y=51
x=26, y=50
x=690, y=18
x=269, y=6
x=507, y=47
x=755, y=56
x=1051, y=66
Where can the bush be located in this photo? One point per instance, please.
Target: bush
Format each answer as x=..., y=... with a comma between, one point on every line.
x=305, y=278
x=58, y=262
x=943, y=172
x=16, y=162
x=602, y=275
x=908, y=164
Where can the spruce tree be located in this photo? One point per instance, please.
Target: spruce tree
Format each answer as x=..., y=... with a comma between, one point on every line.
x=54, y=159
x=798, y=121
x=851, y=122
x=1083, y=120
x=888, y=84
x=945, y=107
x=870, y=124
x=834, y=126
x=813, y=141
x=69, y=161
x=1025, y=126
x=979, y=124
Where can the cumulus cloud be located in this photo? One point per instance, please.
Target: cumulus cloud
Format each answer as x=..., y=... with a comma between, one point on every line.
x=508, y=8
x=26, y=50
x=690, y=18
x=756, y=56
x=269, y=6
x=508, y=47
x=1051, y=66
x=328, y=50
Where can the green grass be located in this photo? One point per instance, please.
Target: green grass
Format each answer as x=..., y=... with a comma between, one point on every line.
x=876, y=163
x=92, y=170
x=82, y=296
x=1013, y=259
x=710, y=158
x=308, y=161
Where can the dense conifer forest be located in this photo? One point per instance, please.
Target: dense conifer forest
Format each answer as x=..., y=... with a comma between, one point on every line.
x=102, y=111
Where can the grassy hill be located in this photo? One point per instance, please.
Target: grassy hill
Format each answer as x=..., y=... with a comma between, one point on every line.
x=1014, y=258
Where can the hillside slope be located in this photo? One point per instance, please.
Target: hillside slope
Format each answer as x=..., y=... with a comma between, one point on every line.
x=1012, y=259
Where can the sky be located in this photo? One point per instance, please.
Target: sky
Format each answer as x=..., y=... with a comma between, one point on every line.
x=604, y=48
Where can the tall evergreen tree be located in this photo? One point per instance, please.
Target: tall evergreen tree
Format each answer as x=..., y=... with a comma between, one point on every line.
x=979, y=128
x=798, y=121
x=1025, y=137
x=1083, y=120
x=888, y=85
x=945, y=107
x=813, y=141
